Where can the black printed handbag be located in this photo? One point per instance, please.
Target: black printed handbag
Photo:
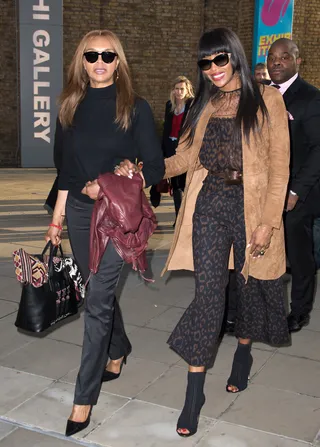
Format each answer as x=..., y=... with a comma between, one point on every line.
x=56, y=300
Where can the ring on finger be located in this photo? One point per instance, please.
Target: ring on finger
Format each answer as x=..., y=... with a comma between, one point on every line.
x=262, y=252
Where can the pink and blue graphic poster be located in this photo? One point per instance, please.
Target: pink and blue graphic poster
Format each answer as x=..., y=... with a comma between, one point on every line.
x=273, y=19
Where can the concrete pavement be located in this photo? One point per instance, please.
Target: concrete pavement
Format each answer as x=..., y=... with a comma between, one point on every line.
x=280, y=408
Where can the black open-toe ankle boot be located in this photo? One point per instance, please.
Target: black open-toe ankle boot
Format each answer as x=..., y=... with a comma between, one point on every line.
x=195, y=400
x=242, y=363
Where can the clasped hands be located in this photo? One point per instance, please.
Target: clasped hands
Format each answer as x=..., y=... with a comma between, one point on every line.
x=125, y=168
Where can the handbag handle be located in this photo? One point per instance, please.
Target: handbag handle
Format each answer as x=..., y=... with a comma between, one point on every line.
x=53, y=252
x=52, y=248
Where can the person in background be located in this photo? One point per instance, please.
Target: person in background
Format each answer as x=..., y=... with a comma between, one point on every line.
x=303, y=201
x=101, y=122
x=177, y=107
x=261, y=72
x=235, y=150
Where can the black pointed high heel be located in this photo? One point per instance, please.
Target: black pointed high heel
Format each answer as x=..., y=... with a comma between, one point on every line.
x=109, y=375
x=195, y=400
x=241, y=366
x=74, y=427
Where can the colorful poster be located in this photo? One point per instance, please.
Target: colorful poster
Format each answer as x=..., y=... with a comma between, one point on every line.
x=273, y=19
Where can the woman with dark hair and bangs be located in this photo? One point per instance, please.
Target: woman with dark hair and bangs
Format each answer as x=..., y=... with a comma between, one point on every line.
x=235, y=150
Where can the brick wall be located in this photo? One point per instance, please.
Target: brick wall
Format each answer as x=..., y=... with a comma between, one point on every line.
x=9, y=155
x=306, y=33
x=160, y=39
x=235, y=14
x=160, y=42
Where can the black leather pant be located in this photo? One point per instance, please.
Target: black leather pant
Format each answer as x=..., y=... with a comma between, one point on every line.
x=104, y=334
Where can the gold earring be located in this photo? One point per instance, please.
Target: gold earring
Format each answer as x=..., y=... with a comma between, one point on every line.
x=117, y=74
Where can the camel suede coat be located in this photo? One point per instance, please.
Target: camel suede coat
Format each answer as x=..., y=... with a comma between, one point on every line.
x=265, y=177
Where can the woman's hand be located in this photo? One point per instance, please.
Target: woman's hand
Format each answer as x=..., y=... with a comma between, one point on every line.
x=127, y=169
x=91, y=189
x=260, y=240
x=54, y=235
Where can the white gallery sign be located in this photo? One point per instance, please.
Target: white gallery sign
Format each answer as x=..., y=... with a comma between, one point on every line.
x=41, y=78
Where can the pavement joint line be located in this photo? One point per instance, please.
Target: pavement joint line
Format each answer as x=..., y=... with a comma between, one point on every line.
x=312, y=330
x=263, y=365
x=154, y=380
x=317, y=438
x=3, y=357
x=299, y=356
x=215, y=421
x=31, y=374
x=107, y=418
x=266, y=432
x=29, y=398
x=52, y=434
x=296, y=356
x=157, y=316
x=207, y=430
x=268, y=387
x=10, y=433
x=11, y=313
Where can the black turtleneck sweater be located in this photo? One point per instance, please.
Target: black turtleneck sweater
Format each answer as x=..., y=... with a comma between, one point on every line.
x=95, y=144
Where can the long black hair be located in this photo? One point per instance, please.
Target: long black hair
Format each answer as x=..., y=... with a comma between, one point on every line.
x=224, y=40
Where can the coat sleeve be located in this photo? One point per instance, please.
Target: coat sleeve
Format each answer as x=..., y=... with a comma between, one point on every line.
x=148, y=143
x=61, y=158
x=309, y=173
x=179, y=163
x=279, y=159
x=58, y=146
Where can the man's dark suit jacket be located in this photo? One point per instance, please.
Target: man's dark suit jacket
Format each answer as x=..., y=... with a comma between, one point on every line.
x=303, y=105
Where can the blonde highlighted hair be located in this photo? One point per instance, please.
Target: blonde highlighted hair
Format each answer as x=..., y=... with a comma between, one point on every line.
x=189, y=87
x=78, y=80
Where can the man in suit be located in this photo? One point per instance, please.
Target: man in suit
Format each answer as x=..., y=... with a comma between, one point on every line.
x=303, y=201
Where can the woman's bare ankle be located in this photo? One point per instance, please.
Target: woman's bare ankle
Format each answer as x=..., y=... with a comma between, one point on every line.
x=114, y=365
x=80, y=413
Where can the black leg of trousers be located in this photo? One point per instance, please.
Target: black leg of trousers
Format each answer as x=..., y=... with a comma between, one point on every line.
x=299, y=244
x=232, y=296
x=177, y=199
x=104, y=331
x=211, y=248
x=99, y=322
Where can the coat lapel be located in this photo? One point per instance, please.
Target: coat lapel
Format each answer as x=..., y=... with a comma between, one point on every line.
x=292, y=91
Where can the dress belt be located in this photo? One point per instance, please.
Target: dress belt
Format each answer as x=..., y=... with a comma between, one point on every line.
x=230, y=176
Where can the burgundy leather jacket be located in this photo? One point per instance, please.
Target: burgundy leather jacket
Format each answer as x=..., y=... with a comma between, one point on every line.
x=123, y=214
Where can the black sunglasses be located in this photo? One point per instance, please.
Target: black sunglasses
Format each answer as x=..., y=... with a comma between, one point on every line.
x=220, y=61
x=107, y=56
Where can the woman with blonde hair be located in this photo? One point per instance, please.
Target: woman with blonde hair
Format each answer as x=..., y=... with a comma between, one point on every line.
x=177, y=107
x=101, y=122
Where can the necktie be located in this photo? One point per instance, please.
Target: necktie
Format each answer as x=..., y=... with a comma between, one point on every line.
x=275, y=86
